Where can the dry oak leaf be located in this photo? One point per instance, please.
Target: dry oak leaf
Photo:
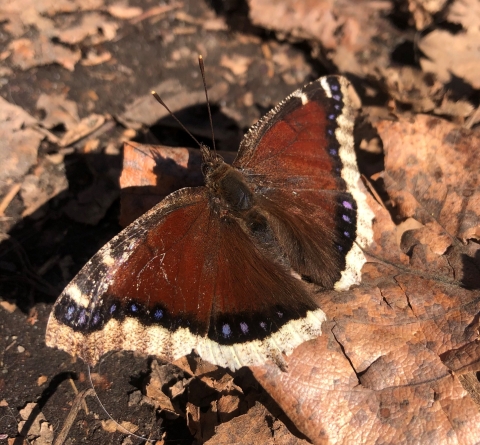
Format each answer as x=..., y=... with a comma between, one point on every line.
x=257, y=426
x=462, y=58
x=376, y=373
x=27, y=54
x=58, y=111
x=432, y=172
x=150, y=173
x=20, y=141
x=467, y=13
x=432, y=175
x=355, y=38
x=92, y=25
x=389, y=363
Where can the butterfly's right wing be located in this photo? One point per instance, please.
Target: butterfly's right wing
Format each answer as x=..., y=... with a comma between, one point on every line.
x=300, y=162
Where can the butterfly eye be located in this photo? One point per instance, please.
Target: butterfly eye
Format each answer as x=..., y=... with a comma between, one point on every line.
x=206, y=169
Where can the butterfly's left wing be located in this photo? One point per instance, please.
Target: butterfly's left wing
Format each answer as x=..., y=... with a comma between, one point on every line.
x=182, y=277
x=300, y=162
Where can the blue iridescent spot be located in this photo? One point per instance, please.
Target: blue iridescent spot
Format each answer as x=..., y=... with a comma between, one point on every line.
x=96, y=319
x=113, y=308
x=133, y=307
x=280, y=314
x=330, y=132
x=263, y=325
x=331, y=117
x=340, y=248
x=70, y=312
x=346, y=218
x=334, y=87
x=347, y=205
x=158, y=314
x=333, y=152
x=336, y=97
x=82, y=318
x=346, y=234
x=226, y=331
x=244, y=327
x=337, y=107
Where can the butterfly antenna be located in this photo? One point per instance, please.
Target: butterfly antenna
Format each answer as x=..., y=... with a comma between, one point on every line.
x=162, y=103
x=202, y=70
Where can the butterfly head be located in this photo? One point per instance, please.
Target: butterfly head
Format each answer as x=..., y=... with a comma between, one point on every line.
x=211, y=161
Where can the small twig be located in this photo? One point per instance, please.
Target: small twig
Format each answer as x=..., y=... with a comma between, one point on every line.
x=75, y=390
x=7, y=199
x=77, y=404
x=156, y=10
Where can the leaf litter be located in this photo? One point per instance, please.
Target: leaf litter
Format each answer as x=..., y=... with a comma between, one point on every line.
x=399, y=353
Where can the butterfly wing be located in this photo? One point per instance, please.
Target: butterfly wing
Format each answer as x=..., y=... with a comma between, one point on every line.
x=300, y=162
x=182, y=278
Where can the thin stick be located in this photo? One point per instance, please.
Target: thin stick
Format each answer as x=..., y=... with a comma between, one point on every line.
x=75, y=390
x=14, y=189
x=77, y=404
x=202, y=70
x=162, y=103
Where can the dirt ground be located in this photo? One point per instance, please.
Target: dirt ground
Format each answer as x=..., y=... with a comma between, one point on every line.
x=75, y=79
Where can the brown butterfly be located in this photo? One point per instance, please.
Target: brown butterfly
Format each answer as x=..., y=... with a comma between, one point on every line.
x=222, y=269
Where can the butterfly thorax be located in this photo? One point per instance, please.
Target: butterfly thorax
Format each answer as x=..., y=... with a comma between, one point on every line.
x=226, y=185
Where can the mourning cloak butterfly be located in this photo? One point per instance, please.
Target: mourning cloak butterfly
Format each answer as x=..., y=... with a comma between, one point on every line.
x=222, y=269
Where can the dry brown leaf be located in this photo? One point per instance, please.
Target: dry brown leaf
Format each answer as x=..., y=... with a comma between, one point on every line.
x=83, y=128
x=253, y=427
x=58, y=111
x=377, y=373
x=38, y=188
x=467, y=13
x=9, y=307
x=20, y=14
x=462, y=58
x=459, y=108
x=27, y=53
x=124, y=12
x=424, y=10
x=144, y=111
x=154, y=388
x=91, y=25
x=350, y=35
x=236, y=63
x=20, y=141
x=93, y=58
x=409, y=85
x=38, y=428
x=152, y=172
x=432, y=173
x=42, y=380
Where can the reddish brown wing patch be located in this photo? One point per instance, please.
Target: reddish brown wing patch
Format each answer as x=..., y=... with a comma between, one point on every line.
x=290, y=151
